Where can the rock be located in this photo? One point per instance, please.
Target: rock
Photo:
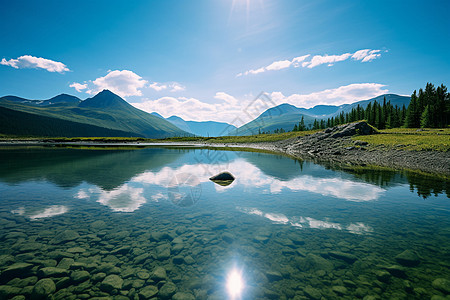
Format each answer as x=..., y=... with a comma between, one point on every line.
x=159, y=273
x=80, y=276
x=183, y=296
x=17, y=269
x=52, y=272
x=8, y=291
x=219, y=224
x=223, y=179
x=383, y=276
x=340, y=290
x=43, y=288
x=312, y=293
x=65, y=236
x=189, y=260
x=111, y=282
x=163, y=251
x=274, y=275
x=97, y=225
x=397, y=271
x=348, y=258
x=167, y=290
x=65, y=263
x=360, y=128
x=442, y=285
x=228, y=237
x=98, y=277
x=314, y=262
x=76, y=250
x=408, y=258
x=144, y=275
x=159, y=236
x=178, y=260
x=148, y=292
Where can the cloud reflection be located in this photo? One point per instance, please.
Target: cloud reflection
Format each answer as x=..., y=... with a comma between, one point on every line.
x=47, y=212
x=306, y=222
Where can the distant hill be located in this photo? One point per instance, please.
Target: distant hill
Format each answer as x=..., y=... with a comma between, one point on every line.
x=205, y=128
x=105, y=110
x=285, y=115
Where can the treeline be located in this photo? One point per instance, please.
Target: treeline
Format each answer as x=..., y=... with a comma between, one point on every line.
x=429, y=109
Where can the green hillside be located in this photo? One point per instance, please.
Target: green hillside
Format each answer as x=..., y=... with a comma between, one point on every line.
x=105, y=110
x=14, y=122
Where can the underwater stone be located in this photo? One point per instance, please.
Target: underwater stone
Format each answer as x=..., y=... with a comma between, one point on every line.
x=347, y=257
x=159, y=273
x=442, y=285
x=397, y=271
x=79, y=276
x=98, y=276
x=43, y=288
x=228, y=237
x=383, y=276
x=65, y=263
x=312, y=293
x=17, y=269
x=76, y=250
x=111, y=282
x=273, y=275
x=65, y=236
x=408, y=258
x=163, y=251
x=52, y=272
x=8, y=291
x=144, y=275
x=183, y=296
x=340, y=290
x=97, y=225
x=167, y=290
x=148, y=292
x=189, y=260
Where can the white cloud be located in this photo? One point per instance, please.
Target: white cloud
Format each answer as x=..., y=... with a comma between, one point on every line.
x=227, y=108
x=157, y=86
x=364, y=55
x=318, y=60
x=32, y=62
x=78, y=86
x=176, y=87
x=278, y=65
x=123, y=83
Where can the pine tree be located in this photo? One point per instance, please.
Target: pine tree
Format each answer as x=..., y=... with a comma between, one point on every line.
x=425, y=119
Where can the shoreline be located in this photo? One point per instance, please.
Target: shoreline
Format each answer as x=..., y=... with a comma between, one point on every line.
x=333, y=146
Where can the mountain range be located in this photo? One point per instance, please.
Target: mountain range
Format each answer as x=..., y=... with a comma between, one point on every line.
x=204, y=128
x=285, y=115
x=106, y=114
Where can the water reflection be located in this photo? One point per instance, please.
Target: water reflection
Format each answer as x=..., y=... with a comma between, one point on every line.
x=46, y=212
x=307, y=222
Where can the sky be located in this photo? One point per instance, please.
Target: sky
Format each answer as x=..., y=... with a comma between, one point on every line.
x=211, y=60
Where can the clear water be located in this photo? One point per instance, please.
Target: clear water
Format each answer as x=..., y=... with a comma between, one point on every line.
x=284, y=229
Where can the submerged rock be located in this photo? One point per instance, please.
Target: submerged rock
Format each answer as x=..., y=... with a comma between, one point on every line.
x=442, y=285
x=408, y=258
x=111, y=282
x=167, y=290
x=223, y=179
x=148, y=292
x=43, y=288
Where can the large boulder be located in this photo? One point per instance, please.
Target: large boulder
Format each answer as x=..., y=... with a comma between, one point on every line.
x=43, y=288
x=360, y=128
x=223, y=179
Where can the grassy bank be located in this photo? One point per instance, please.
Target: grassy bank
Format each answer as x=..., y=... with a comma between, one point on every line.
x=410, y=139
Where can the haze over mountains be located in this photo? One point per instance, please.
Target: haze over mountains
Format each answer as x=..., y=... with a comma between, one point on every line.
x=106, y=114
x=205, y=128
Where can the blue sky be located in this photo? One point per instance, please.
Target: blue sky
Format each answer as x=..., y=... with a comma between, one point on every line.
x=207, y=60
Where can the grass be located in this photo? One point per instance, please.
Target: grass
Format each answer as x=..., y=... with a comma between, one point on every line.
x=410, y=139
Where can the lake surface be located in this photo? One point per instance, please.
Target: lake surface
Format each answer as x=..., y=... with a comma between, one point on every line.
x=143, y=223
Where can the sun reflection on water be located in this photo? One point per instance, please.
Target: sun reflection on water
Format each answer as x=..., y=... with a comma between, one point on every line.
x=235, y=283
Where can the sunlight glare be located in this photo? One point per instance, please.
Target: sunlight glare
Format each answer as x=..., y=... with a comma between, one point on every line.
x=235, y=283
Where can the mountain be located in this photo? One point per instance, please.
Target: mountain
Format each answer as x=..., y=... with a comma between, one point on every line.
x=60, y=99
x=105, y=110
x=205, y=128
x=286, y=115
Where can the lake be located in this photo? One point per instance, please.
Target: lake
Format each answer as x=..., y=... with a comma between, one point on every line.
x=148, y=223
